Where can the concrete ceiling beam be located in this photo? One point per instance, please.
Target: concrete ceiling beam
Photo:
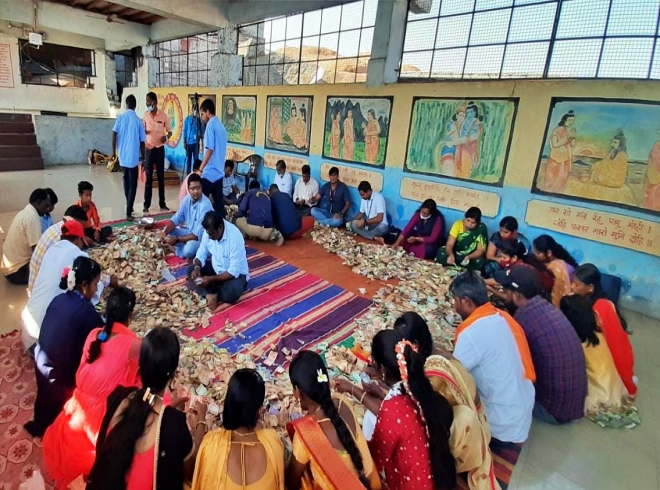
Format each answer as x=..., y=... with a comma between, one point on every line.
x=208, y=14
x=164, y=30
x=117, y=35
x=248, y=11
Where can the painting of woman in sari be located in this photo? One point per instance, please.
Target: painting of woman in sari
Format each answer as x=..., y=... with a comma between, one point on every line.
x=288, y=123
x=357, y=129
x=602, y=151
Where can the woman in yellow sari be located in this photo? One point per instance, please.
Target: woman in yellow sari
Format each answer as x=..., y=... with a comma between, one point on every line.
x=470, y=434
x=241, y=454
x=329, y=450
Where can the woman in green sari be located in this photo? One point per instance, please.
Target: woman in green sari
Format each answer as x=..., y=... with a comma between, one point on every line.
x=467, y=242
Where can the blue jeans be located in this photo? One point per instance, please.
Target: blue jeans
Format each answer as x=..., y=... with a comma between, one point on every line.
x=540, y=413
x=326, y=218
x=192, y=154
x=381, y=229
x=186, y=250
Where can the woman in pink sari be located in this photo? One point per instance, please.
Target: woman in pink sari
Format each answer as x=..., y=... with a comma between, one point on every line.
x=110, y=359
x=349, y=136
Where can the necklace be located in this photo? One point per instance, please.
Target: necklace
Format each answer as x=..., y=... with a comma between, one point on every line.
x=243, y=434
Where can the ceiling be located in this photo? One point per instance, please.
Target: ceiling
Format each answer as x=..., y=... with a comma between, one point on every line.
x=112, y=11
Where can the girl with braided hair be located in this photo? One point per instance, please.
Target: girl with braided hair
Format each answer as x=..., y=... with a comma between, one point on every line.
x=110, y=359
x=410, y=443
x=329, y=450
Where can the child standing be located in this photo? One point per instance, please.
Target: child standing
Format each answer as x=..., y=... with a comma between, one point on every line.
x=93, y=229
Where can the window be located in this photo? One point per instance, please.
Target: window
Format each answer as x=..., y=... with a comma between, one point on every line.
x=125, y=69
x=55, y=65
x=331, y=45
x=186, y=62
x=484, y=39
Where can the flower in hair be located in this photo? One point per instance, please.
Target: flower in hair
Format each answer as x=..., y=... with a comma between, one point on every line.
x=71, y=279
x=401, y=358
x=103, y=336
x=321, y=377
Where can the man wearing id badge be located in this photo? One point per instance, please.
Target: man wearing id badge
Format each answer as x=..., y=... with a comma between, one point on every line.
x=371, y=221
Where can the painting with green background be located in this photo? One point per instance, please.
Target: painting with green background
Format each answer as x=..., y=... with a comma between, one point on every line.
x=466, y=139
x=239, y=116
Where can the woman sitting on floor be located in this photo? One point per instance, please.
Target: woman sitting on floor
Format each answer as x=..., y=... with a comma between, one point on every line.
x=510, y=254
x=466, y=245
x=329, y=450
x=68, y=321
x=606, y=389
x=242, y=454
x=410, y=443
x=421, y=236
x=508, y=231
x=141, y=438
x=470, y=434
x=556, y=260
x=110, y=359
x=587, y=283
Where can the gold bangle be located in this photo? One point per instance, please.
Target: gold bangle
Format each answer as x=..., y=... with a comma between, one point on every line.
x=362, y=397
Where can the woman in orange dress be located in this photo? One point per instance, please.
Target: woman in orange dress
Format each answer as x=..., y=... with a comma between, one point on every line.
x=587, y=283
x=335, y=134
x=371, y=138
x=558, y=262
x=560, y=160
x=329, y=450
x=349, y=136
x=110, y=359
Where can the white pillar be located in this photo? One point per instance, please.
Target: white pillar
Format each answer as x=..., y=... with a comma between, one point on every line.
x=387, y=47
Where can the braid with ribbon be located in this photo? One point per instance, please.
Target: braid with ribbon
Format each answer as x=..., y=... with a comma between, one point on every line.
x=403, y=369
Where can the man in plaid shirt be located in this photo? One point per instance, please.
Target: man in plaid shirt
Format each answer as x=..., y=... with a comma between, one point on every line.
x=561, y=374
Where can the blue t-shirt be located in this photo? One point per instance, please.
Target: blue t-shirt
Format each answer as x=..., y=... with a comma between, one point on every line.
x=334, y=201
x=285, y=217
x=130, y=133
x=215, y=139
x=190, y=130
x=256, y=206
x=192, y=214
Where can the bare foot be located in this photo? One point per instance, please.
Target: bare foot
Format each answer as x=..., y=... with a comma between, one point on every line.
x=379, y=239
x=212, y=301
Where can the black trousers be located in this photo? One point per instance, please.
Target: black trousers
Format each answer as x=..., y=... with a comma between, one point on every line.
x=21, y=277
x=106, y=231
x=155, y=157
x=227, y=292
x=130, y=188
x=214, y=189
x=192, y=153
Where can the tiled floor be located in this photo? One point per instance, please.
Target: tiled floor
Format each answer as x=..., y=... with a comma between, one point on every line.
x=579, y=456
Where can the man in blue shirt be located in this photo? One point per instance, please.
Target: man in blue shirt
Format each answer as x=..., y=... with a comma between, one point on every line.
x=191, y=135
x=285, y=215
x=128, y=138
x=255, y=216
x=225, y=278
x=213, y=164
x=184, y=229
x=335, y=201
x=229, y=189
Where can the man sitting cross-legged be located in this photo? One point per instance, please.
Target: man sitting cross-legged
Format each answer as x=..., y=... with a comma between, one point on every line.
x=184, y=229
x=225, y=277
x=255, y=216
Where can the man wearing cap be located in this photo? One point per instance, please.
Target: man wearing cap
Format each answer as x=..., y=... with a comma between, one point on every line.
x=47, y=284
x=492, y=347
x=561, y=375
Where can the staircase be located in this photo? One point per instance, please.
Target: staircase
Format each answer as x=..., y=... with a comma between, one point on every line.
x=18, y=144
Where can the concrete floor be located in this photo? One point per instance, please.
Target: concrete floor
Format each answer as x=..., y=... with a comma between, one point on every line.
x=578, y=456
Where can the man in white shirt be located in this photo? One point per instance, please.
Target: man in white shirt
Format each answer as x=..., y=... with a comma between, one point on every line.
x=283, y=179
x=226, y=277
x=22, y=238
x=487, y=348
x=371, y=221
x=305, y=191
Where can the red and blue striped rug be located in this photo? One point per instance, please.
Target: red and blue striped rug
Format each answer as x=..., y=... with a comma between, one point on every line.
x=284, y=309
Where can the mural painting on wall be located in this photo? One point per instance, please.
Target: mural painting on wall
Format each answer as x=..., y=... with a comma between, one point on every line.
x=289, y=123
x=466, y=139
x=239, y=115
x=172, y=107
x=356, y=129
x=602, y=150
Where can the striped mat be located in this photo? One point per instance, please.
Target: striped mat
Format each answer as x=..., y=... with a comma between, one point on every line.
x=284, y=309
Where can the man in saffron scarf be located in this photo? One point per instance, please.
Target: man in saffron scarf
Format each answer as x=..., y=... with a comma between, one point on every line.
x=492, y=346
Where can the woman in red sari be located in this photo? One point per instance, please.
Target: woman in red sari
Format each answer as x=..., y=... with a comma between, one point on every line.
x=410, y=443
x=587, y=283
x=110, y=359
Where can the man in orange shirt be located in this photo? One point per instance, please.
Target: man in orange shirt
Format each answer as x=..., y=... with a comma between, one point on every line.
x=158, y=130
